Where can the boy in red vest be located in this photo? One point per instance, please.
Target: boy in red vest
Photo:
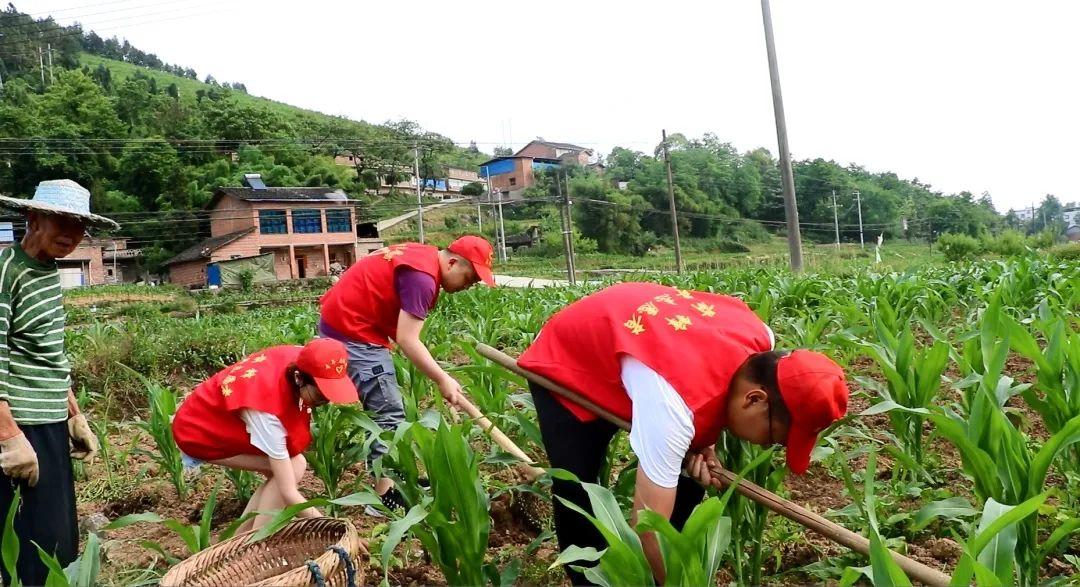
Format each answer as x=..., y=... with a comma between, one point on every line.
x=680, y=366
x=386, y=296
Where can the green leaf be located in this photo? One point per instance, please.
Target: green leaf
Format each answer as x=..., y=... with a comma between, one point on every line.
x=89, y=563
x=1000, y=554
x=233, y=526
x=1065, y=530
x=951, y=508
x=10, y=551
x=396, y=532
x=888, y=406
x=885, y=571
x=1040, y=465
x=56, y=576
x=577, y=554
x=123, y=522
x=1000, y=518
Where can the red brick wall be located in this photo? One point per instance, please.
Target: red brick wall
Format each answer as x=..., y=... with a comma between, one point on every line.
x=190, y=274
x=231, y=215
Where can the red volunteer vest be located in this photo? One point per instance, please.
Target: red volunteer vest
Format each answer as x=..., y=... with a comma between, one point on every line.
x=695, y=340
x=208, y=426
x=364, y=305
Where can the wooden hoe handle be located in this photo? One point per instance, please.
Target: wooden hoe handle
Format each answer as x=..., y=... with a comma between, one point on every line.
x=752, y=491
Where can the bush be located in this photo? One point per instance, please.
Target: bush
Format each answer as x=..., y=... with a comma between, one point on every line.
x=1010, y=243
x=452, y=222
x=957, y=247
x=1069, y=252
x=1043, y=240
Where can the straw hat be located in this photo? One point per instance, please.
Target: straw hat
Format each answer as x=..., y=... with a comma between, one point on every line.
x=60, y=196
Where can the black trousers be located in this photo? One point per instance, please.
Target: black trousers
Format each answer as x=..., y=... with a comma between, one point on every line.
x=47, y=514
x=580, y=447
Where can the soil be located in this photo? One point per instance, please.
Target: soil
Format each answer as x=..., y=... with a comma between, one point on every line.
x=111, y=298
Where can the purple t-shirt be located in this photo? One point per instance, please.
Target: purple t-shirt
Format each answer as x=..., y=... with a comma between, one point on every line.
x=415, y=290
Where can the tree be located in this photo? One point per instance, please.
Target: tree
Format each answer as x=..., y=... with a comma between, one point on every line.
x=473, y=189
x=503, y=152
x=610, y=217
x=1048, y=214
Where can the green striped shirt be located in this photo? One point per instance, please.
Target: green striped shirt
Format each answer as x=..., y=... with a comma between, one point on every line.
x=34, y=371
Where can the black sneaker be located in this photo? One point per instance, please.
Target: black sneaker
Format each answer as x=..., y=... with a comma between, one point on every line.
x=392, y=499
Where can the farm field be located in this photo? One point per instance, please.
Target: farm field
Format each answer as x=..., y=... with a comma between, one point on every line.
x=959, y=450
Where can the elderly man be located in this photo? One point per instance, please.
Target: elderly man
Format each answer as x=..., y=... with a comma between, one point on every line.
x=41, y=428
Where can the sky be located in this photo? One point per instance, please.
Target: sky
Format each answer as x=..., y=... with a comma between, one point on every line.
x=961, y=94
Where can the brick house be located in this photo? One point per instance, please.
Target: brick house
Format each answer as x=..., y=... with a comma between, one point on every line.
x=306, y=229
x=541, y=149
x=101, y=261
x=444, y=187
x=510, y=175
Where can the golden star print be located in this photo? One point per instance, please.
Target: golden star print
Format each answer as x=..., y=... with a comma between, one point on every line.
x=648, y=308
x=229, y=379
x=679, y=322
x=226, y=390
x=258, y=359
x=706, y=310
x=635, y=325
x=685, y=294
x=665, y=298
x=336, y=365
x=249, y=374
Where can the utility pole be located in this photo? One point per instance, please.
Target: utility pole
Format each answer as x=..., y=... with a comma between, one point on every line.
x=836, y=220
x=479, y=218
x=1033, y=218
x=791, y=210
x=50, y=65
x=116, y=276
x=858, y=200
x=671, y=204
x=501, y=238
x=41, y=65
x=419, y=198
x=570, y=223
x=498, y=225
x=567, y=233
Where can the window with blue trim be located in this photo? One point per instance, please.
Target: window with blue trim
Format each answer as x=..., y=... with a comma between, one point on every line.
x=272, y=222
x=306, y=221
x=338, y=220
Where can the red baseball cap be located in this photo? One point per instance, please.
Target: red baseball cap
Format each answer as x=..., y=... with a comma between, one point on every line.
x=816, y=395
x=324, y=359
x=479, y=252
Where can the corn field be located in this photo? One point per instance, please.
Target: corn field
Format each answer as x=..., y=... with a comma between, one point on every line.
x=960, y=448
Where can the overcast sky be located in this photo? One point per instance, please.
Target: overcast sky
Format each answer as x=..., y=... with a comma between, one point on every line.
x=964, y=95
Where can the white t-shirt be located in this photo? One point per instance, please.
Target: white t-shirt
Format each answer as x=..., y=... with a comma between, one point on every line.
x=661, y=424
x=267, y=433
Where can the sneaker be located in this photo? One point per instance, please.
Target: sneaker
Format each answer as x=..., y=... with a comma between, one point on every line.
x=392, y=499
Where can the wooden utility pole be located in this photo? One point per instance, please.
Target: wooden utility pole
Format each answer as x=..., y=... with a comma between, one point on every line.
x=791, y=210
x=567, y=223
x=41, y=64
x=51, y=80
x=419, y=197
x=671, y=204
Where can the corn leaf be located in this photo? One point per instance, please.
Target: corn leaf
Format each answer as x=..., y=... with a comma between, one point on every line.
x=1040, y=464
x=10, y=550
x=952, y=508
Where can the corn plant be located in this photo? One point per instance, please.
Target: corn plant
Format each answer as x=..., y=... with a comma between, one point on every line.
x=1056, y=396
x=163, y=403
x=452, y=521
x=913, y=377
x=196, y=537
x=748, y=518
x=339, y=443
x=82, y=572
x=996, y=454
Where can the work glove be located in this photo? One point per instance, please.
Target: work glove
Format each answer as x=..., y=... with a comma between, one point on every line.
x=84, y=443
x=18, y=459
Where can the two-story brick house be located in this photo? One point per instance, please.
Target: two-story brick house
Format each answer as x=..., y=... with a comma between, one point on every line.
x=305, y=229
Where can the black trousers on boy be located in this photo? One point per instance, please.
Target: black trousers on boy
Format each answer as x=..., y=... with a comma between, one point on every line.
x=581, y=447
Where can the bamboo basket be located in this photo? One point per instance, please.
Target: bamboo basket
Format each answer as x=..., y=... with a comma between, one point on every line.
x=312, y=551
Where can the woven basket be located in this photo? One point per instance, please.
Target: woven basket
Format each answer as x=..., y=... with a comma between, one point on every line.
x=312, y=551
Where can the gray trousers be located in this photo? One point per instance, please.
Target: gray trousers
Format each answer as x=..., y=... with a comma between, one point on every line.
x=371, y=369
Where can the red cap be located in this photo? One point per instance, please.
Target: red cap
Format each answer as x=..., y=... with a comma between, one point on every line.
x=479, y=252
x=816, y=395
x=324, y=359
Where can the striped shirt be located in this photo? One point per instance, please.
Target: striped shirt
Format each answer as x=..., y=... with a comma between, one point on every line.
x=34, y=371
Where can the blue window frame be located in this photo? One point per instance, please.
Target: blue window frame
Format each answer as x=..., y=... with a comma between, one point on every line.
x=306, y=221
x=338, y=220
x=272, y=222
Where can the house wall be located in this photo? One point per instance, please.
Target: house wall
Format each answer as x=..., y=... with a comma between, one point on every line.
x=189, y=274
x=231, y=214
x=519, y=177
x=88, y=255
